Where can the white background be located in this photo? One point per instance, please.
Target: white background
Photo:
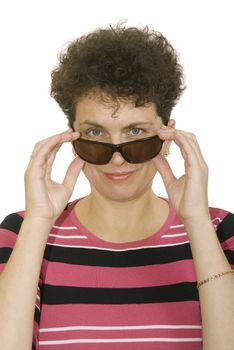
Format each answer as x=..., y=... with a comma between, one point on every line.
x=33, y=32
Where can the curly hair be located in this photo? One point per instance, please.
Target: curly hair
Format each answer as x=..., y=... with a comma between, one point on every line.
x=133, y=64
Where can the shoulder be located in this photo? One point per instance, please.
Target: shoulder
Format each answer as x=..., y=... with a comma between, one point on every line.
x=223, y=221
x=12, y=222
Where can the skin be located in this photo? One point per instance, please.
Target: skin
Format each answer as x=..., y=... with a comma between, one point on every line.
x=110, y=200
x=46, y=199
x=188, y=194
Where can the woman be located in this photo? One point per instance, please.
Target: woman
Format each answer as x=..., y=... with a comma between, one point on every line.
x=121, y=268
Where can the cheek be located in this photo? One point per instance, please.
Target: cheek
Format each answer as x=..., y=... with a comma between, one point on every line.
x=149, y=171
x=90, y=171
x=94, y=174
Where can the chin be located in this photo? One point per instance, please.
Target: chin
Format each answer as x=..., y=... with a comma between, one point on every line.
x=121, y=191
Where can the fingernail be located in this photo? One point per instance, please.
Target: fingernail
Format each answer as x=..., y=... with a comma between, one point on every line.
x=164, y=126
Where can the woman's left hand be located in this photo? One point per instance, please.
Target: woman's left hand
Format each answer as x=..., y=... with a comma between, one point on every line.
x=189, y=193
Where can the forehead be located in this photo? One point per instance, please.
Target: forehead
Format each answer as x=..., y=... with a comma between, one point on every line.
x=112, y=114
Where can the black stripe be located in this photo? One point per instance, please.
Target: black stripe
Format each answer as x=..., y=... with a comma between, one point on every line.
x=12, y=222
x=33, y=347
x=5, y=254
x=54, y=295
x=138, y=257
x=225, y=229
x=230, y=256
x=37, y=316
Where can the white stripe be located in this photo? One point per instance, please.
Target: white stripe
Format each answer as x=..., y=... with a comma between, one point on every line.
x=66, y=227
x=175, y=226
x=182, y=225
x=119, y=340
x=66, y=237
x=75, y=228
x=175, y=235
x=217, y=218
x=117, y=250
x=111, y=328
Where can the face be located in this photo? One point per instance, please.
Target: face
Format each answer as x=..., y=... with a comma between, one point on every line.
x=118, y=180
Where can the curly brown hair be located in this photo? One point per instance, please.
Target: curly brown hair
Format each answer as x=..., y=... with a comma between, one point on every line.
x=133, y=64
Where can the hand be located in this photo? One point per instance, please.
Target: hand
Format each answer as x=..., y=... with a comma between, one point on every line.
x=46, y=199
x=189, y=193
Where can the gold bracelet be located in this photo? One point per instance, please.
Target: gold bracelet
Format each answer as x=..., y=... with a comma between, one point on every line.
x=199, y=284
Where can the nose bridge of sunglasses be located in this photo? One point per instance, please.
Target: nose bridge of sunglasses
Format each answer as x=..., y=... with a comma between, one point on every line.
x=116, y=149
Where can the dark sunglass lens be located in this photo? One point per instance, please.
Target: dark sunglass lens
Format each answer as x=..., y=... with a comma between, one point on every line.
x=141, y=151
x=94, y=153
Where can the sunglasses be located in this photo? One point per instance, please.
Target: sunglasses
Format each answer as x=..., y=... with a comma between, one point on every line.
x=138, y=151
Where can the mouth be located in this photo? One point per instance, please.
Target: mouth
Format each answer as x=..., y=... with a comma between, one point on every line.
x=119, y=176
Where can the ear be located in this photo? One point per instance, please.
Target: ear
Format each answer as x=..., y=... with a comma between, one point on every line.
x=167, y=144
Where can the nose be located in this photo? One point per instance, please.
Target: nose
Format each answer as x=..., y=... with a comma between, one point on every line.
x=117, y=159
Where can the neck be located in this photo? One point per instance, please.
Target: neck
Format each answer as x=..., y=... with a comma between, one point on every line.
x=121, y=221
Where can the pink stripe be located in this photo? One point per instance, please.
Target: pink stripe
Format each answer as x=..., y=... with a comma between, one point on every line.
x=35, y=333
x=87, y=242
x=8, y=238
x=107, y=277
x=228, y=244
x=126, y=346
x=217, y=212
x=2, y=267
x=120, y=315
x=38, y=303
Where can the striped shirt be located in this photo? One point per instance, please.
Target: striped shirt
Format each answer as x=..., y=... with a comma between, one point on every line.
x=97, y=295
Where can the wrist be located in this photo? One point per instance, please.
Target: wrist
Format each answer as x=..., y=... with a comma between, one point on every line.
x=34, y=233
x=39, y=223
x=194, y=224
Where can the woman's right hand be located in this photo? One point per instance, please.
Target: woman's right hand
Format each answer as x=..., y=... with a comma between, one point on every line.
x=45, y=198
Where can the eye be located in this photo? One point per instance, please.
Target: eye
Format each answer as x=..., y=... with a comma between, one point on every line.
x=94, y=132
x=136, y=131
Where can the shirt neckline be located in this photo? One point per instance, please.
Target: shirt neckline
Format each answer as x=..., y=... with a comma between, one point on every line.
x=150, y=240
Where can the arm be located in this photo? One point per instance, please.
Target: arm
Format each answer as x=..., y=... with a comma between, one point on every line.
x=216, y=297
x=18, y=285
x=188, y=195
x=45, y=200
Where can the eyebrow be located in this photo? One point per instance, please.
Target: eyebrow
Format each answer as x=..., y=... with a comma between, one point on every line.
x=132, y=125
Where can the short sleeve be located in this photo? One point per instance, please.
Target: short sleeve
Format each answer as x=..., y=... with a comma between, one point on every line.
x=225, y=233
x=9, y=229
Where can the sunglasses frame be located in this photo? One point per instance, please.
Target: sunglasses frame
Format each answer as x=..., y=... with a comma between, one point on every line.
x=118, y=148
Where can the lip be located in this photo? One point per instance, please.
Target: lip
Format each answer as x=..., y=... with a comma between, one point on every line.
x=119, y=176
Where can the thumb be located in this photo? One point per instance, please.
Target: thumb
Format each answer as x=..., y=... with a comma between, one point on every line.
x=73, y=172
x=164, y=170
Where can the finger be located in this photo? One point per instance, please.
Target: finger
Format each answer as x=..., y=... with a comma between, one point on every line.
x=196, y=147
x=193, y=156
x=40, y=144
x=164, y=170
x=187, y=144
x=165, y=133
x=73, y=172
x=51, y=159
x=41, y=155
